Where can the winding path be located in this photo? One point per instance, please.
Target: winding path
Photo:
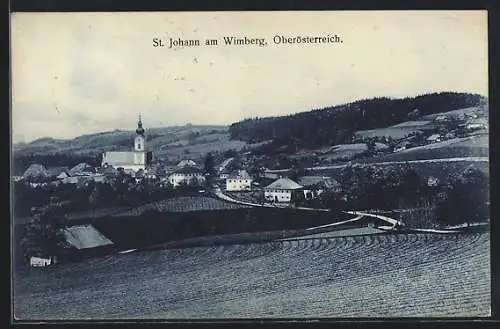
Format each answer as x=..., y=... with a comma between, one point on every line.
x=471, y=159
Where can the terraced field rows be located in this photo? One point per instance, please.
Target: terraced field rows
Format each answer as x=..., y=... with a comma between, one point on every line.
x=370, y=276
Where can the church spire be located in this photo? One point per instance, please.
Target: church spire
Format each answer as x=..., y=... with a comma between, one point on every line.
x=139, y=130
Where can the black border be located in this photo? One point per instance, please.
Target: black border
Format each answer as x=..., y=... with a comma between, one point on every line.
x=150, y=5
x=193, y=5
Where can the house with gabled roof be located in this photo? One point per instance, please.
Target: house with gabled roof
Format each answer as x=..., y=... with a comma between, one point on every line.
x=187, y=175
x=282, y=190
x=239, y=180
x=81, y=168
x=35, y=170
x=186, y=163
x=314, y=186
x=58, y=173
x=434, y=138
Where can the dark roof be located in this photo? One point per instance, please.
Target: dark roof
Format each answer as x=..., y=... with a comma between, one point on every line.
x=55, y=171
x=318, y=181
x=239, y=174
x=109, y=170
x=188, y=170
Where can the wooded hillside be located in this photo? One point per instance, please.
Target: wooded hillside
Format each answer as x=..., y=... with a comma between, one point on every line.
x=337, y=124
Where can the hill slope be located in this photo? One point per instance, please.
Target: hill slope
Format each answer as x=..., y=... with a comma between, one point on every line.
x=119, y=140
x=337, y=124
x=170, y=143
x=414, y=275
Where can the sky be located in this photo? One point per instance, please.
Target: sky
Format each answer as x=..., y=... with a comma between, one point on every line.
x=81, y=73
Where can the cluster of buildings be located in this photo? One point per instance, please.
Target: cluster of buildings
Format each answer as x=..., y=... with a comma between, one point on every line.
x=138, y=164
x=39, y=175
x=469, y=123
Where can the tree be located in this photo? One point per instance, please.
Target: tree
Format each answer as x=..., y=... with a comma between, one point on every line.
x=297, y=172
x=209, y=169
x=466, y=198
x=43, y=235
x=371, y=146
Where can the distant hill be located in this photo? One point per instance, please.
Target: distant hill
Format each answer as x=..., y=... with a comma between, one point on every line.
x=337, y=124
x=121, y=140
x=174, y=143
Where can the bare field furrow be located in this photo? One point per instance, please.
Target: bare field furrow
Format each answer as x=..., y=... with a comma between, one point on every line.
x=382, y=275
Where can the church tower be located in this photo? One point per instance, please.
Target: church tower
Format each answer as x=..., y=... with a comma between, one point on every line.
x=140, y=144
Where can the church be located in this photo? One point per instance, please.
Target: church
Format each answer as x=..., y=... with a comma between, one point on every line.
x=131, y=161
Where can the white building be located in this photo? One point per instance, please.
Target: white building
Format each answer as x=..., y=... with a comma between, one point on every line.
x=432, y=181
x=188, y=175
x=441, y=117
x=239, y=181
x=476, y=124
x=281, y=190
x=41, y=261
x=401, y=146
x=434, y=138
x=130, y=161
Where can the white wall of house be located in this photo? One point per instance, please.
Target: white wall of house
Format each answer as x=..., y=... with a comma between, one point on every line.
x=278, y=195
x=238, y=184
x=40, y=261
x=176, y=179
x=399, y=148
x=312, y=193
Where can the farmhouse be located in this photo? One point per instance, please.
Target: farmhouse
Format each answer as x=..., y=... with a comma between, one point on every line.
x=35, y=170
x=314, y=186
x=186, y=163
x=85, y=237
x=239, y=181
x=441, y=118
x=108, y=172
x=281, y=190
x=434, y=138
x=187, y=175
x=477, y=124
x=402, y=146
x=58, y=173
x=432, y=181
x=224, y=174
x=41, y=261
x=17, y=178
x=270, y=174
x=130, y=161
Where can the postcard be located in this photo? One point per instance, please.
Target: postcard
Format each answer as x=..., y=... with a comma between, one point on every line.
x=250, y=165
